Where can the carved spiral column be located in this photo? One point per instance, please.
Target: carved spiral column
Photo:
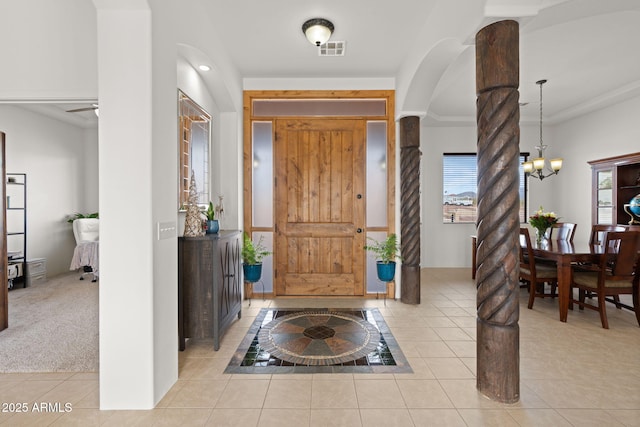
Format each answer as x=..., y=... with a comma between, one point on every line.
x=410, y=208
x=498, y=114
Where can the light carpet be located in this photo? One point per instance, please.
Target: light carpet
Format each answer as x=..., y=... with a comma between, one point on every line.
x=53, y=327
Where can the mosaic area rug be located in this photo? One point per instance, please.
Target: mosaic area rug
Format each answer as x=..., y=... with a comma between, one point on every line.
x=354, y=340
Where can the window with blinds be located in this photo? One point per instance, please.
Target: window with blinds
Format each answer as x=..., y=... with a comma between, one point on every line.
x=459, y=188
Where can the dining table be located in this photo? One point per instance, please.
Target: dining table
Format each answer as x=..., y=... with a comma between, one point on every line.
x=566, y=254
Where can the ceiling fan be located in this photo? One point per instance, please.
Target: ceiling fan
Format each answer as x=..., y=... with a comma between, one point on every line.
x=94, y=108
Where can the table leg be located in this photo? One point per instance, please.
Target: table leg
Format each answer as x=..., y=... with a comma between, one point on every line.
x=564, y=286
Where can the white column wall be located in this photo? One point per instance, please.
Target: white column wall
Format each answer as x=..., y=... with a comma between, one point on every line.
x=127, y=362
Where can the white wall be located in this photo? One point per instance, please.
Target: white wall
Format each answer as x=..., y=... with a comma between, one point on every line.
x=41, y=64
x=608, y=132
x=60, y=162
x=447, y=244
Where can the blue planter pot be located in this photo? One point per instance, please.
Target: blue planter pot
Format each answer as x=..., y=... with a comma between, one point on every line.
x=386, y=271
x=213, y=226
x=252, y=272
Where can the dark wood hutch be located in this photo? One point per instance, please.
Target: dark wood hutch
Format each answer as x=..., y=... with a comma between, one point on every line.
x=615, y=181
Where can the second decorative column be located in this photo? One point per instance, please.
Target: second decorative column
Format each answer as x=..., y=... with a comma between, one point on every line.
x=410, y=208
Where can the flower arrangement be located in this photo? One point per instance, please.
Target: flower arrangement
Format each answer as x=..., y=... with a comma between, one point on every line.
x=541, y=221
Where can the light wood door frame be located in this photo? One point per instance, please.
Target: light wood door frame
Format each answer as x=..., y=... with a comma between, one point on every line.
x=249, y=118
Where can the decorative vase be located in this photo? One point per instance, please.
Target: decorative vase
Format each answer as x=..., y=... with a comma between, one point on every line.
x=252, y=272
x=386, y=270
x=540, y=235
x=213, y=226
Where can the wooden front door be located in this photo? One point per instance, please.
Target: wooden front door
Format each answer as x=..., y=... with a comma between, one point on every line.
x=320, y=182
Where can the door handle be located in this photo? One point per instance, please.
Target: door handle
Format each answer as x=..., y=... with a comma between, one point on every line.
x=359, y=230
x=359, y=196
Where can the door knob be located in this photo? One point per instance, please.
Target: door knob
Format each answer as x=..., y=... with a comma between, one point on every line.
x=359, y=230
x=359, y=196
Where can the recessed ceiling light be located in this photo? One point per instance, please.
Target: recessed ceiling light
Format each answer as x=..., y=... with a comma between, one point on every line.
x=204, y=67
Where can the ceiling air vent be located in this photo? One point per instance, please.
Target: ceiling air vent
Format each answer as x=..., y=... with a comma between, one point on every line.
x=331, y=49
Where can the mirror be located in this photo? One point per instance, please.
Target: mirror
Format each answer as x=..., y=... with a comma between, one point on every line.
x=194, y=134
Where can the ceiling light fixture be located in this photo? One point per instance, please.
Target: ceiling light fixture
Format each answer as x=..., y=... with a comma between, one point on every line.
x=204, y=67
x=317, y=30
x=535, y=168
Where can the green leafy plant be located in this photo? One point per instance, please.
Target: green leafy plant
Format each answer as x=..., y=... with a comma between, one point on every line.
x=253, y=253
x=386, y=250
x=79, y=215
x=210, y=213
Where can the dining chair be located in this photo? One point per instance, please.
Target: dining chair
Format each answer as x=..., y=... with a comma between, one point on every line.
x=599, y=232
x=562, y=231
x=535, y=274
x=598, y=235
x=617, y=273
x=559, y=231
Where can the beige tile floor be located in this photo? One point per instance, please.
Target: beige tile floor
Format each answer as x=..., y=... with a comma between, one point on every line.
x=572, y=374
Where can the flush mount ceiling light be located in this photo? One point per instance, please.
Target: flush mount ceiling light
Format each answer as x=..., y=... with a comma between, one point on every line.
x=317, y=30
x=204, y=67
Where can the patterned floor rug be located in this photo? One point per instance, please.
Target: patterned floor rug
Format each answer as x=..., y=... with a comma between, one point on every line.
x=354, y=340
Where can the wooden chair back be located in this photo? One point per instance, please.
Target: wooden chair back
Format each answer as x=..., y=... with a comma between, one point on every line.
x=599, y=232
x=622, y=249
x=526, y=251
x=562, y=231
x=535, y=274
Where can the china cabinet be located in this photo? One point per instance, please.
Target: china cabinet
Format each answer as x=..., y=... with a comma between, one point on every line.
x=615, y=181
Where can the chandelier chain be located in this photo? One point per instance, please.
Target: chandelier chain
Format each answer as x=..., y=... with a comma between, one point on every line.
x=541, y=83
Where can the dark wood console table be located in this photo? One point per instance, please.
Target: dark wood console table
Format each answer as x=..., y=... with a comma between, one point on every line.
x=209, y=285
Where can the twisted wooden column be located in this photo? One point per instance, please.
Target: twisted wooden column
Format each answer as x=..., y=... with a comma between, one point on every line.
x=410, y=208
x=498, y=114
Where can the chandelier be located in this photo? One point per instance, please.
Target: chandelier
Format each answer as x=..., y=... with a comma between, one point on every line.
x=536, y=167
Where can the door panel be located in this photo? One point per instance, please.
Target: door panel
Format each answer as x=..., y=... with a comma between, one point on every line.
x=319, y=218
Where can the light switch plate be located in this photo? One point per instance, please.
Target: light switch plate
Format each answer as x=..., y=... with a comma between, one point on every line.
x=166, y=230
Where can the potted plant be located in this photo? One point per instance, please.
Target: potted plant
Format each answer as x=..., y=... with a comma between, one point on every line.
x=387, y=252
x=212, y=223
x=252, y=255
x=79, y=215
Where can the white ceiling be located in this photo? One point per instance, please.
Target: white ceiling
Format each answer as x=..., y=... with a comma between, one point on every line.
x=586, y=49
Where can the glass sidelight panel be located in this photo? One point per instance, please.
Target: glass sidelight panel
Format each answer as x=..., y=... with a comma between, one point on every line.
x=262, y=174
x=376, y=174
x=374, y=285
x=265, y=284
